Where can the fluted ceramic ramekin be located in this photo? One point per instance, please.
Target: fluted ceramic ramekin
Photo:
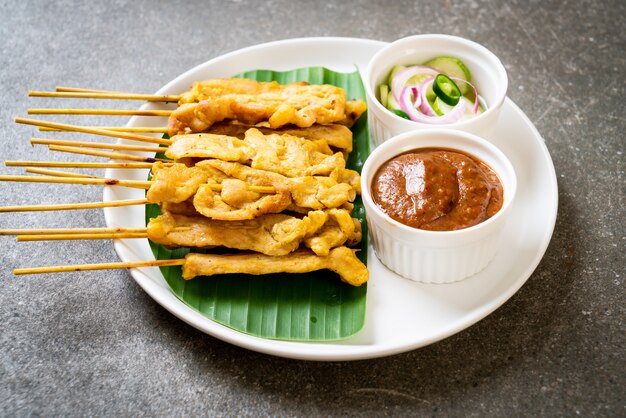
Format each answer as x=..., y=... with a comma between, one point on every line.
x=488, y=75
x=436, y=256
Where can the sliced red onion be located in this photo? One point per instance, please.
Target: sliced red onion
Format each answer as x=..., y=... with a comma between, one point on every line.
x=402, y=76
x=408, y=106
x=417, y=99
x=425, y=106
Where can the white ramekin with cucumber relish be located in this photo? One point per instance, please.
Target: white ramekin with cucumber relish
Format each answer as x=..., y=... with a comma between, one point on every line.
x=439, y=91
x=430, y=81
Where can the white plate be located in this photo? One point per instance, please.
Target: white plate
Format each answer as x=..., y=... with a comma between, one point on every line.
x=401, y=315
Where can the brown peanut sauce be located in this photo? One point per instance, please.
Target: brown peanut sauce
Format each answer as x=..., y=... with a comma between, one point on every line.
x=437, y=189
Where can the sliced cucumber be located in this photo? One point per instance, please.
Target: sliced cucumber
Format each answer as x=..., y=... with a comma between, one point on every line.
x=392, y=104
x=393, y=72
x=440, y=107
x=470, y=106
x=452, y=67
x=417, y=79
x=384, y=94
x=430, y=94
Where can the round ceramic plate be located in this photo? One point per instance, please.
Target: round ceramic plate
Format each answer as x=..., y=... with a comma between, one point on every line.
x=401, y=315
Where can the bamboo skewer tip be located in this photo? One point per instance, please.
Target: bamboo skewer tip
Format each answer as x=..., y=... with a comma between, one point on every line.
x=71, y=92
x=103, y=266
x=73, y=206
x=94, y=131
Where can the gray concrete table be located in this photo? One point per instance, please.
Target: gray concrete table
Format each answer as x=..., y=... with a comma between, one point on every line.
x=96, y=344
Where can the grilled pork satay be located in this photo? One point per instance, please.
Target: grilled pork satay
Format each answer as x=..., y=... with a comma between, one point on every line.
x=254, y=102
x=354, y=110
x=336, y=136
x=271, y=234
x=341, y=229
x=176, y=183
x=240, y=100
x=341, y=260
x=202, y=90
x=284, y=154
x=235, y=200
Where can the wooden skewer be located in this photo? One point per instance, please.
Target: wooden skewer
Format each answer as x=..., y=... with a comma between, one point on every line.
x=115, y=182
x=73, y=206
x=112, y=155
x=138, y=129
x=58, y=173
x=174, y=98
x=70, y=180
x=76, y=164
x=82, y=90
x=117, y=94
x=107, y=112
x=145, y=148
x=79, y=233
x=103, y=266
x=70, y=231
x=82, y=231
x=85, y=94
x=94, y=131
x=66, y=237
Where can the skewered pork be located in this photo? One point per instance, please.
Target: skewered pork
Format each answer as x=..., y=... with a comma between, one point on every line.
x=221, y=190
x=272, y=234
x=284, y=154
x=252, y=102
x=341, y=260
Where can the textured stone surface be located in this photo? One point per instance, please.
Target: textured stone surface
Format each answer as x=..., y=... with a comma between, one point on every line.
x=96, y=344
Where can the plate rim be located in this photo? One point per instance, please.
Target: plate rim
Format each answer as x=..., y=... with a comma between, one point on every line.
x=328, y=351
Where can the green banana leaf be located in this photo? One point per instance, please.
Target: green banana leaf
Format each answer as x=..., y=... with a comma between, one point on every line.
x=296, y=307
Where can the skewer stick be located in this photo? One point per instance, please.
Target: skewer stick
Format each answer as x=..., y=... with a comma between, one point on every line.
x=70, y=180
x=82, y=231
x=72, y=237
x=76, y=164
x=82, y=90
x=137, y=129
x=58, y=173
x=138, y=184
x=45, y=141
x=73, y=206
x=94, y=131
x=71, y=231
x=174, y=98
x=112, y=155
x=86, y=94
x=107, y=112
x=103, y=266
